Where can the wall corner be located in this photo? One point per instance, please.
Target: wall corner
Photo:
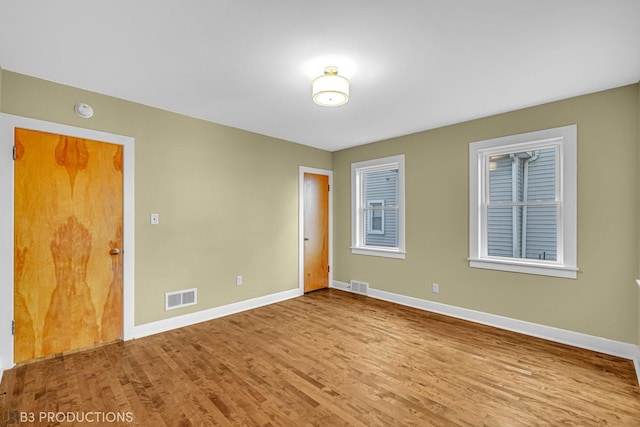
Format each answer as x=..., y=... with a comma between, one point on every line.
x=0, y=88
x=638, y=210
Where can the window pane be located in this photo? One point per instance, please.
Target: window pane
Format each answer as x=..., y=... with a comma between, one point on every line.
x=376, y=221
x=540, y=232
x=387, y=239
x=381, y=187
x=380, y=225
x=523, y=176
x=500, y=232
x=528, y=232
x=375, y=218
x=500, y=178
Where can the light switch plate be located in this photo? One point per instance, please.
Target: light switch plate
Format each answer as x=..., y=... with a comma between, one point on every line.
x=155, y=219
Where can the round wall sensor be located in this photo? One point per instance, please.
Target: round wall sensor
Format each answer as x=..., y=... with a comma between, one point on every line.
x=83, y=110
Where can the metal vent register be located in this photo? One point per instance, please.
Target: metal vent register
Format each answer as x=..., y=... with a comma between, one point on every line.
x=181, y=298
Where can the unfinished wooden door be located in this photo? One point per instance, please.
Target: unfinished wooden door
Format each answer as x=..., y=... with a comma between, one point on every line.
x=68, y=243
x=316, y=231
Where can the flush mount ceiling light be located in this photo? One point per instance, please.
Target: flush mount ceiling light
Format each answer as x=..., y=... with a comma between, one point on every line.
x=330, y=90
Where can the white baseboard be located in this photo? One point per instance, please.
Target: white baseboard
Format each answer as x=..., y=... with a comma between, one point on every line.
x=340, y=285
x=213, y=313
x=563, y=336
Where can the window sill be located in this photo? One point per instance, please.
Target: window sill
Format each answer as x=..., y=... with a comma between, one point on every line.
x=386, y=253
x=525, y=267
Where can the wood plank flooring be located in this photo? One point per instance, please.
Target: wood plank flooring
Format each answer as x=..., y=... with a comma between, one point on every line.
x=331, y=358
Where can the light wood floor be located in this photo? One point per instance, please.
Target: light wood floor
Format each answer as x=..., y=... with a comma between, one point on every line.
x=332, y=358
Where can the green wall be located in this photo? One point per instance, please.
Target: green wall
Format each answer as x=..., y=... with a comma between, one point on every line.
x=603, y=301
x=228, y=204
x=227, y=199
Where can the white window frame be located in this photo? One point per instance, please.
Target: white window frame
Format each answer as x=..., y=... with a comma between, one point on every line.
x=374, y=204
x=565, y=139
x=358, y=231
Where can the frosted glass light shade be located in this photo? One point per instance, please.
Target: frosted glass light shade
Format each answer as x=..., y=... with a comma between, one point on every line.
x=330, y=90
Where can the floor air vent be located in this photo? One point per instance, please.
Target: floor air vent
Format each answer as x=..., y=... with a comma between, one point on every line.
x=359, y=287
x=180, y=298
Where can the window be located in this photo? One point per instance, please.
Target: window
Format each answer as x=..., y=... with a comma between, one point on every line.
x=523, y=203
x=375, y=217
x=378, y=207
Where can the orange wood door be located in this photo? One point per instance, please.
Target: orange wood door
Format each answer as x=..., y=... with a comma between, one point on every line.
x=68, y=230
x=316, y=231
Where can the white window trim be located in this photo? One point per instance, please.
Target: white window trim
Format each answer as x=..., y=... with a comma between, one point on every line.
x=566, y=266
x=357, y=238
x=370, y=216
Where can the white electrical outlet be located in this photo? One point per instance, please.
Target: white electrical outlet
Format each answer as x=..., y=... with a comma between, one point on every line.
x=435, y=288
x=238, y=280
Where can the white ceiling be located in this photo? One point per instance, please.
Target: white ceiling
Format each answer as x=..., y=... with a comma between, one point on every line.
x=413, y=64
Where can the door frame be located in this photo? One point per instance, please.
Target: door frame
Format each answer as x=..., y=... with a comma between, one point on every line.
x=8, y=123
x=328, y=173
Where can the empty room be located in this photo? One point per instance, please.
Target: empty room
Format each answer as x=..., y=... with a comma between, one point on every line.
x=283, y=213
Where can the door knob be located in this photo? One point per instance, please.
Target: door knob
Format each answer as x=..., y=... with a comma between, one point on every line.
x=115, y=251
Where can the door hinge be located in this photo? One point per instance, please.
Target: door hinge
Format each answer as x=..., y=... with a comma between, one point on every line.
x=14, y=152
x=328, y=268
x=328, y=187
x=13, y=327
